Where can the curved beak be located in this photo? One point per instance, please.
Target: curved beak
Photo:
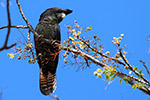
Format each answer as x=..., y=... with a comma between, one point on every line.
x=67, y=11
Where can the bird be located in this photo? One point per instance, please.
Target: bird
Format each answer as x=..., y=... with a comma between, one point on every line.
x=47, y=53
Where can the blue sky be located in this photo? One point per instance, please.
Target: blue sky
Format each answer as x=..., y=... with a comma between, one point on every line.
x=108, y=18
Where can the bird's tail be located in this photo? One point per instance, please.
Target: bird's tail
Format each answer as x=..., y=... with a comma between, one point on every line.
x=47, y=82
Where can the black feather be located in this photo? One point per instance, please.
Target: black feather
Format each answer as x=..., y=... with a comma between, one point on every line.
x=47, y=54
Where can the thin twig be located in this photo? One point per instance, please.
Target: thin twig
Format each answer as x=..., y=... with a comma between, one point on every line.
x=23, y=16
x=9, y=23
x=23, y=36
x=120, y=74
x=145, y=67
x=143, y=89
x=55, y=97
x=87, y=63
x=8, y=31
x=30, y=26
x=14, y=26
x=130, y=67
x=92, y=48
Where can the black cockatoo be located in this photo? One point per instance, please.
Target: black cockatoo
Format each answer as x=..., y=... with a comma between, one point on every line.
x=47, y=54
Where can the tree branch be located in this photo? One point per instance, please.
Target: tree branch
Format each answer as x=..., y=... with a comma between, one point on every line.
x=55, y=97
x=143, y=89
x=25, y=19
x=89, y=57
x=130, y=67
x=28, y=24
x=114, y=59
x=145, y=67
x=121, y=75
x=13, y=26
x=31, y=28
x=8, y=31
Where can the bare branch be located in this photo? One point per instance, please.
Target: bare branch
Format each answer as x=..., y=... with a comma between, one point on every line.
x=25, y=19
x=8, y=31
x=143, y=89
x=130, y=67
x=87, y=62
x=55, y=97
x=86, y=55
x=9, y=23
x=121, y=75
x=114, y=59
x=28, y=24
x=23, y=16
x=14, y=26
x=89, y=57
x=145, y=67
x=31, y=28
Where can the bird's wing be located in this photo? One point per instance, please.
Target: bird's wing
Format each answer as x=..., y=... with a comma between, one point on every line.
x=47, y=56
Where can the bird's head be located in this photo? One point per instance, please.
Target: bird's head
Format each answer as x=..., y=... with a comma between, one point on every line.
x=54, y=15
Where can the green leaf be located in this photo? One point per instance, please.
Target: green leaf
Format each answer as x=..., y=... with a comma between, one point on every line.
x=120, y=81
x=126, y=81
x=109, y=79
x=140, y=71
x=142, y=74
x=139, y=77
x=106, y=68
x=113, y=77
x=106, y=76
x=135, y=86
x=143, y=85
x=99, y=70
x=99, y=75
x=135, y=68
